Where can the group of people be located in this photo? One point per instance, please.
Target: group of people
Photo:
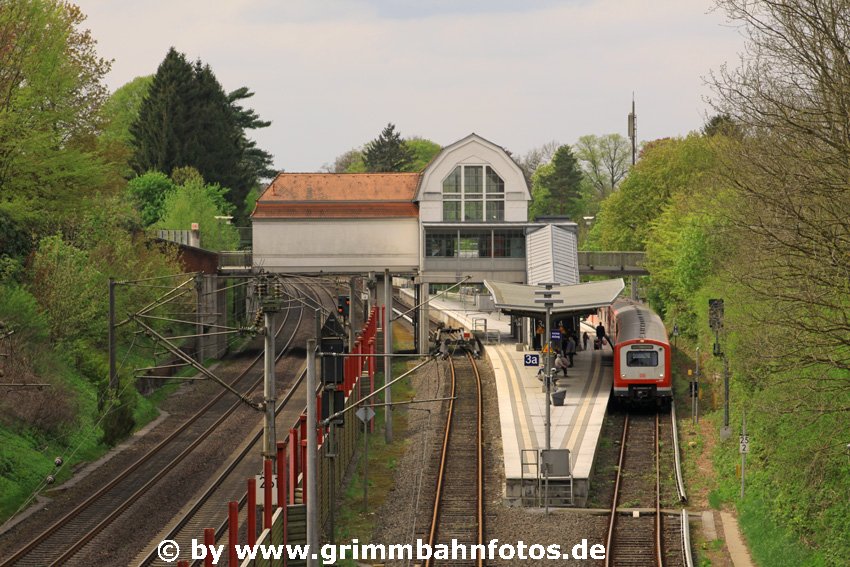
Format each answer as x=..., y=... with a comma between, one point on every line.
x=568, y=346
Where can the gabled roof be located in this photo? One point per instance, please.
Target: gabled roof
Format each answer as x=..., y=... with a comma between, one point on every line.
x=472, y=144
x=339, y=195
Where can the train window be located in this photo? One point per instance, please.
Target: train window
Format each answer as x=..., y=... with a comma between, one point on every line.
x=642, y=358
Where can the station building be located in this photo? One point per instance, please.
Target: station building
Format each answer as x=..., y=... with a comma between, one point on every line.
x=463, y=218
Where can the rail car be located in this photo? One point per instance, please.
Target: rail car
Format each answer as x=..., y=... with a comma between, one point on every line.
x=642, y=364
x=447, y=340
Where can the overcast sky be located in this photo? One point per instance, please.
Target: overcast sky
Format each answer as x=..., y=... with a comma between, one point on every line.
x=330, y=74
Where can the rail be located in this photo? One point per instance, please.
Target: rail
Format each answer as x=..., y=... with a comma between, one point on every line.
x=68, y=549
x=687, y=556
x=680, y=483
x=442, y=476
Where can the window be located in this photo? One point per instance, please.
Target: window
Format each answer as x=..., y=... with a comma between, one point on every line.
x=642, y=358
x=441, y=244
x=508, y=244
x=473, y=193
x=476, y=244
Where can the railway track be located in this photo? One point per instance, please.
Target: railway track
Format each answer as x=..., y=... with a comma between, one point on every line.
x=459, y=501
x=640, y=533
x=59, y=543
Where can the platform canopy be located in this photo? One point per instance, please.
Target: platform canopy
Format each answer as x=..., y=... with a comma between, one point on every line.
x=523, y=300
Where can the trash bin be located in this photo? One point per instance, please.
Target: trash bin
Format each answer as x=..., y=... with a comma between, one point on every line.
x=558, y=397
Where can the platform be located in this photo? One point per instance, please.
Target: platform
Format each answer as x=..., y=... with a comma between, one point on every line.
x=575, y=426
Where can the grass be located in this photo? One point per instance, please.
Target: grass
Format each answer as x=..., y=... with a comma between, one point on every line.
x=352, y=521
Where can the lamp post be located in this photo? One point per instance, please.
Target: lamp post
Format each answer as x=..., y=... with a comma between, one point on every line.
x=548, y=302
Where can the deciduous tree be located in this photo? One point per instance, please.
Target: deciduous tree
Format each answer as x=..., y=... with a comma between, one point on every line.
x=605, y=160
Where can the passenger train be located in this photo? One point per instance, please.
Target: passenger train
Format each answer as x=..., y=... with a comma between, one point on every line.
x=642, y=354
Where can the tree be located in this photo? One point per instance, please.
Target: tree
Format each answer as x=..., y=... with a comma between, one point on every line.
x=605, y=160
x=51, y=93
x=422, y=151
x=197, y=202
x=188, y=120
x=147, y=193
x=536, y=157
x=562, y=180
x=789, y=170
x=668, y=167
x=255, y=160
x=387, y=152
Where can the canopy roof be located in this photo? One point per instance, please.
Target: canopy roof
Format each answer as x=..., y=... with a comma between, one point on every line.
x=521, y=299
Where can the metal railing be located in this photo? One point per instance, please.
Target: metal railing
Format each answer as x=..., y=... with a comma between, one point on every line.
x=612, y=263
x=174, y=235
x=235, y=260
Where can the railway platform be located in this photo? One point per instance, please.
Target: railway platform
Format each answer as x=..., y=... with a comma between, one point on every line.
x=576, y=425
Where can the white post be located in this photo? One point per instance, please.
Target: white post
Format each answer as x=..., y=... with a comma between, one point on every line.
x=269, y=438
x=388, y=349
x=312, y=448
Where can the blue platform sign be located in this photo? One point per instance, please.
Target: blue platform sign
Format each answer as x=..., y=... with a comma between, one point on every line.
x=532, y=360
x=556, y=335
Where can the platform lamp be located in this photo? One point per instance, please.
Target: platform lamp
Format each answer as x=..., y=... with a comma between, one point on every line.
x=548, y=302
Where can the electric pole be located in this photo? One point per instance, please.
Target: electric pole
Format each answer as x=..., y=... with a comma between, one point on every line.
x=633, y=129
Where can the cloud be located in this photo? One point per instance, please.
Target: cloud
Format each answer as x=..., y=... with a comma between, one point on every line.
x=331, y=74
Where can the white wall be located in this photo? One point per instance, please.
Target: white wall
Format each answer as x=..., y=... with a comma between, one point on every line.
x=336, y=245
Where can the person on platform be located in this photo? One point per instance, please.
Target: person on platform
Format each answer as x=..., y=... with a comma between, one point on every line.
x=600, y=333
x=584, y=339
x=561, y=363
x=571, y=348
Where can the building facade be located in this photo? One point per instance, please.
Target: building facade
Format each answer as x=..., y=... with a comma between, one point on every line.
x=464, y=217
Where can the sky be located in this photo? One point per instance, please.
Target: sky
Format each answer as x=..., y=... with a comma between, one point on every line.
x=330, y=74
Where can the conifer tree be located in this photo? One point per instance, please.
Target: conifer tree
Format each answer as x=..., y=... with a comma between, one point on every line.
x=563, y=181
x=187, y=119
x=387, y=152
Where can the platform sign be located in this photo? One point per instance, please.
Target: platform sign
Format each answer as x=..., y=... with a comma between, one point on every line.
x=745, y=444
x=261, y=488
x=532, y=359
x=556, y=335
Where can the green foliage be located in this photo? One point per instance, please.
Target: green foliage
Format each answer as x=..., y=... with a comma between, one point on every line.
x=667, y=167
x=605, y=161
x=50, y=77
x=561, y=180
x=147, y=193
x=388, y=152
x=423, y=151
x=122, y=109
x=188, y=120
x=196, y=202
x=68, y=289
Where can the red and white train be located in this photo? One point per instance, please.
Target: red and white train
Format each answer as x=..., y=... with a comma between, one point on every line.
x=642, y=368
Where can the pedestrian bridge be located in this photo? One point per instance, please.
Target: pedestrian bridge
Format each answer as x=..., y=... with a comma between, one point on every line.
x=612, y=264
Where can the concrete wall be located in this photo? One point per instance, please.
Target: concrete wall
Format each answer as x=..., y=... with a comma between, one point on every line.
x=336, y=245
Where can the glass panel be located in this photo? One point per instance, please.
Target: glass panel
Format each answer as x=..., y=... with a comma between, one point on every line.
x=642, y=358
x=494, y=182
x=451, y=211
x=473, y=179
x=508, y=244
x=451, y=184
x=473, y=211
x=475, y=244
x=441, y=244
x=495, y=210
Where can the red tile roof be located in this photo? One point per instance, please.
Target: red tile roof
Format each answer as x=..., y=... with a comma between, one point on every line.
x=314, y=187
x=339, y=195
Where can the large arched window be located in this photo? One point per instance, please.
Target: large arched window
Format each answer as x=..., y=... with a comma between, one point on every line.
x=473, y=193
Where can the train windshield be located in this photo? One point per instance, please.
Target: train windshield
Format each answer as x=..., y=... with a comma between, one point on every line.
x=642, y=358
